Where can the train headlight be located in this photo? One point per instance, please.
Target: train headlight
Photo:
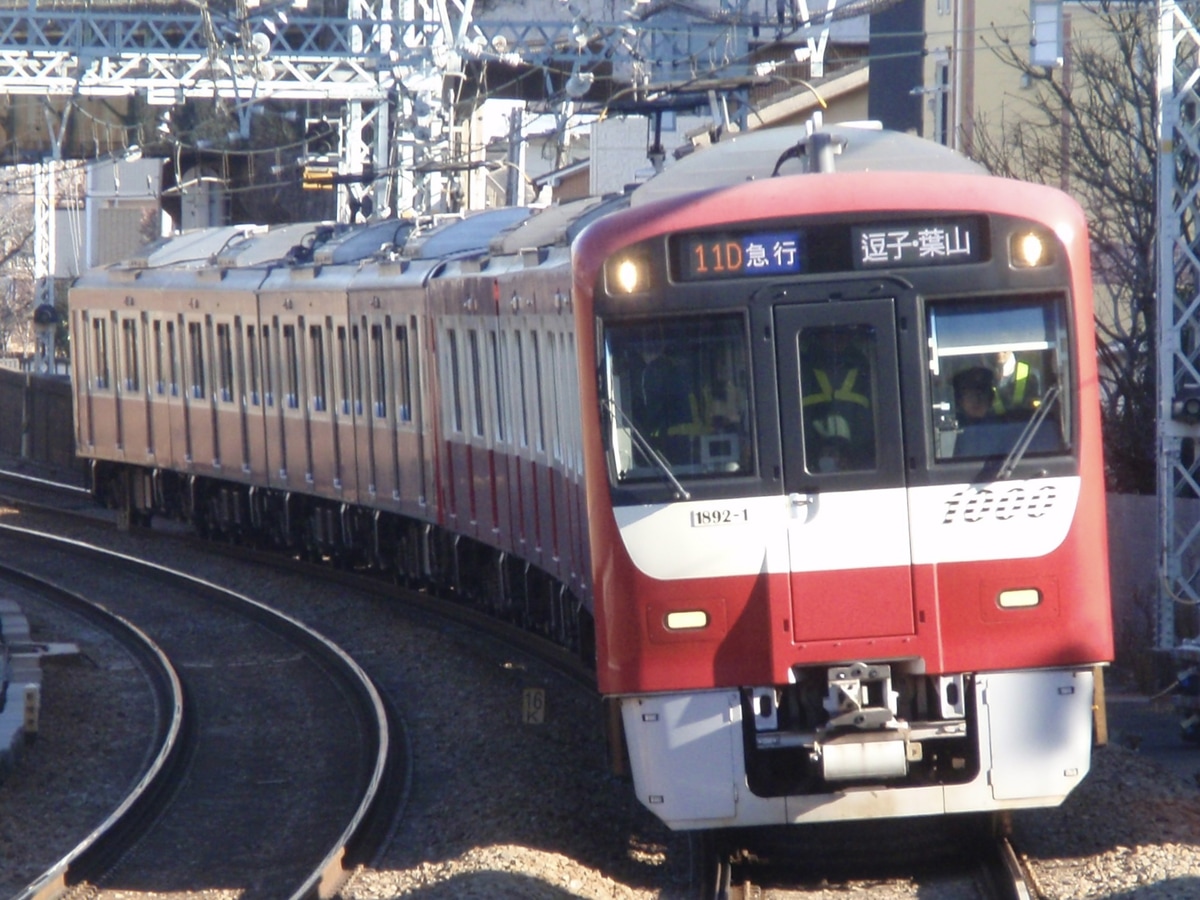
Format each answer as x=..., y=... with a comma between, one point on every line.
x=627, y=275
x=1030, y=250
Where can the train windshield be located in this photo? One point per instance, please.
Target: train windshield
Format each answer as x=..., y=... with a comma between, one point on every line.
x=678, y=394
x=997, y=379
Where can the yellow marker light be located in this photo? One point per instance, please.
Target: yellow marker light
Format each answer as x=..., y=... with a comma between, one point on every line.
x=1023, y=598
x=686, y=620
x=1028, y=250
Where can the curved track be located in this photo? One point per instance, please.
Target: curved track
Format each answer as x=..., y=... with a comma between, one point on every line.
x=287, y=752
x=166, y=746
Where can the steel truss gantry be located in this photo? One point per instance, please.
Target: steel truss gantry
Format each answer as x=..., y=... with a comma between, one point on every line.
x=1178, y=308
x=389, y=61
x=269, y=53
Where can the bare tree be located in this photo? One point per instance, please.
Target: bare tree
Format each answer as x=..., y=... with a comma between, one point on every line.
x=16, y=270
x=1089, y=127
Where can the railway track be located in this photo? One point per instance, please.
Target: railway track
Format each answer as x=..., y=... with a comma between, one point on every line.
x=165, y=740
x=280, y=771
x=901, y=860
x=444, y=839
x=519, y=709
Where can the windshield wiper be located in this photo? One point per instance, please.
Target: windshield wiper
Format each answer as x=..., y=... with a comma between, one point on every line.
x=1026, y=437
x=644, y=445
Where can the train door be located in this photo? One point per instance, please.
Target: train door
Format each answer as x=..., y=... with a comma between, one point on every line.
x=276, y=443
x=98, y=416
x=326, y=451
x=376, y=352
x=181, y=443
x=159, y=387
x=252, y=361
x=410, y=438
x=132, y=437
x=228, y=391
x=297, y=447
x=843, y=452
x=197, y=406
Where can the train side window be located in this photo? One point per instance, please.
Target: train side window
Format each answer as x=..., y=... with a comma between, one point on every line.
x=997, y=378
x=291, y=364
x=553, y=388
x=224, y=362
x=316, y=337
x=476, y=382
x=404, y=403
x=538, y=382
x=455, y=398
x=572, y=382
x=196, y=355
x=359, y=364
x=379, y=357
x=523, y=418
x=268, y=367
x=252, y=364
x=343, y=371
x=499, y=411
x=129, y=339
x=173, y=355
x=159, y=380
x=100, y=371
x=239, y=362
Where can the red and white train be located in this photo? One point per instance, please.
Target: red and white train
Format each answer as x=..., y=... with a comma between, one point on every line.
x=800, y=438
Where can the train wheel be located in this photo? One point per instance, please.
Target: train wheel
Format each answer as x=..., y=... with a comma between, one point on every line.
x=710, y=865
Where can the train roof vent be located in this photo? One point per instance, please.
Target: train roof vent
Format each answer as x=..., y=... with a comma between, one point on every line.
x=532, y=257
x=194, y=247
x=546, y=228
x=472, y=233
x=363, y=242
x=260, y=245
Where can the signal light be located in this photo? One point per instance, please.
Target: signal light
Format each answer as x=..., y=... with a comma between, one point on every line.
x=1186, y=407
x=317, y=179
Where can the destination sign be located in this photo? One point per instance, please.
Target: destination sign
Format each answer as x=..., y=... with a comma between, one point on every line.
x=827, y=248
x=917, y=244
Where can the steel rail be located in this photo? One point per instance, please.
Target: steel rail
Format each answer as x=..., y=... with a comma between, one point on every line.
x=364, y=823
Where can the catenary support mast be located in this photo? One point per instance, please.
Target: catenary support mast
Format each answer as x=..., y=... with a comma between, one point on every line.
x=1178, y=326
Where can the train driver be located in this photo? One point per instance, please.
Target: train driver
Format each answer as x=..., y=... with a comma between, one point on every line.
x=662, y=393
x=835, y=380
x=1018, y=387
x=975, y=395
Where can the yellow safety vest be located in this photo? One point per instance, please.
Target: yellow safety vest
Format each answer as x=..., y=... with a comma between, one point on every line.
x=828, y=394
x=1020, y=381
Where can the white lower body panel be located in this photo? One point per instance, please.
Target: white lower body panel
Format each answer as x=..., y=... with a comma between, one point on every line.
x=1034, y=733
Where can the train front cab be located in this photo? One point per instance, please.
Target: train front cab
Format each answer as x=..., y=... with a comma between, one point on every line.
x=902, y=625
